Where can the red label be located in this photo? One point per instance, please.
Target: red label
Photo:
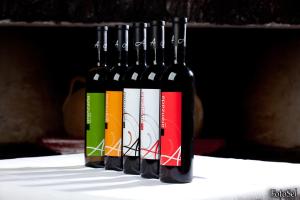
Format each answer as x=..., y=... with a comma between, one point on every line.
x=171, y=109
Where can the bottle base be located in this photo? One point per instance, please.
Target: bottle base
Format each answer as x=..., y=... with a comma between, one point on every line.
x=113, y=163
x=131, y=165
x=170, y=174
x=94, y=161
x=149, y=168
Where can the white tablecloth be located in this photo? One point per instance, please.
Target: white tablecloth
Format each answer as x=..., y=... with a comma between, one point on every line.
x=65, y=177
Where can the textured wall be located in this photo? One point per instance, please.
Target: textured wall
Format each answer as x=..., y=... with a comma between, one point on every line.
x=234, y=12
x=36, y=66
x=272, y=106
x=248, y=80
x=27, y=110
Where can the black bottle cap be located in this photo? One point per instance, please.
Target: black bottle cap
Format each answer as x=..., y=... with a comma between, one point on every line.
x=180, y=20
x=101, y=44
x=105, y=28
x=122, y=39
x=158, y=23
x=123, y=26
x=157, y=37
x=179, y=31
x=103, y=41
x=140, y=25
x=98, y=36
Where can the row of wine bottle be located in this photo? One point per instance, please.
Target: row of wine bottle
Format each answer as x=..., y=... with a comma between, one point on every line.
x=139, y=118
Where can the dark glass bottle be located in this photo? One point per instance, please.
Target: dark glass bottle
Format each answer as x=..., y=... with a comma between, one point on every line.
x=114, y=103
x=131, y=109
x=95, y=104
x=177, y=108
x=150, y=102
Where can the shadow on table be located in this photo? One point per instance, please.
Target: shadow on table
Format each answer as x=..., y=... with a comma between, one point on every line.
x=56, y=173
x=38, y=170
x=125, y=182
x=76, y=178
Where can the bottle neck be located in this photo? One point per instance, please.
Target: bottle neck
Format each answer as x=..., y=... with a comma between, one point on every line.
x=140, y=44
x=157, y=56
x=141, y=57
x=122, y=47
x=101, y=46
x=102, y=59
x=99, y=54
x=179, y=42
x=122, y=59
x=179, y=55
x=103, y=62
x=157, y=46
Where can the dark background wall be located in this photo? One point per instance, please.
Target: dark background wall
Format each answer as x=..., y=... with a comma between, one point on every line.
x=233, y=69
x=244, y=55
x=236, y=12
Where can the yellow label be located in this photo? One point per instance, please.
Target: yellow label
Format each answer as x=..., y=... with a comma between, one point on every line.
x=113, y=131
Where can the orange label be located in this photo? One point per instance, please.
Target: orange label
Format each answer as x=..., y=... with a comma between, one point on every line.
x=113, y=131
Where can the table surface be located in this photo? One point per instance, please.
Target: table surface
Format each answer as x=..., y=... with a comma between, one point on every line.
x=65, y=177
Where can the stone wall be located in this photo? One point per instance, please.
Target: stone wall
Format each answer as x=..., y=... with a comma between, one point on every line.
x=234, y=12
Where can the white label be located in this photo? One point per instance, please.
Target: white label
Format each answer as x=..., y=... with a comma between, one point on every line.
x=172, y=76
x=151, y=76
x=116, y=77
x=150, y=128
x=134, y=76
x=131, y=121
x=96, y=77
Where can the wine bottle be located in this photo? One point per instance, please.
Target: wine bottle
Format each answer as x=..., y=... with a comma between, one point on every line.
x=150, y=102
x=177, y=108
x=114, y=103
x=132, y=91
x=95, y=104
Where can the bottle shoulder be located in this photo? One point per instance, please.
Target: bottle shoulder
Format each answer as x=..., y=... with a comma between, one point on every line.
x=96, y=69
x=134, y=73
x=117, y=73
x=153, y=73
x=97, y=74
x=177, y=73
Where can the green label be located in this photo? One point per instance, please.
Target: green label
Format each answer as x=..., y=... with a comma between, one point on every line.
x=95, y=124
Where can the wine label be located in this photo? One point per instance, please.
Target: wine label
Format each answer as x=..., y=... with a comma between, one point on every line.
x=150, y=129
x=131, y=125
x=95, y=124
x=171, y=111
x=113, y=131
